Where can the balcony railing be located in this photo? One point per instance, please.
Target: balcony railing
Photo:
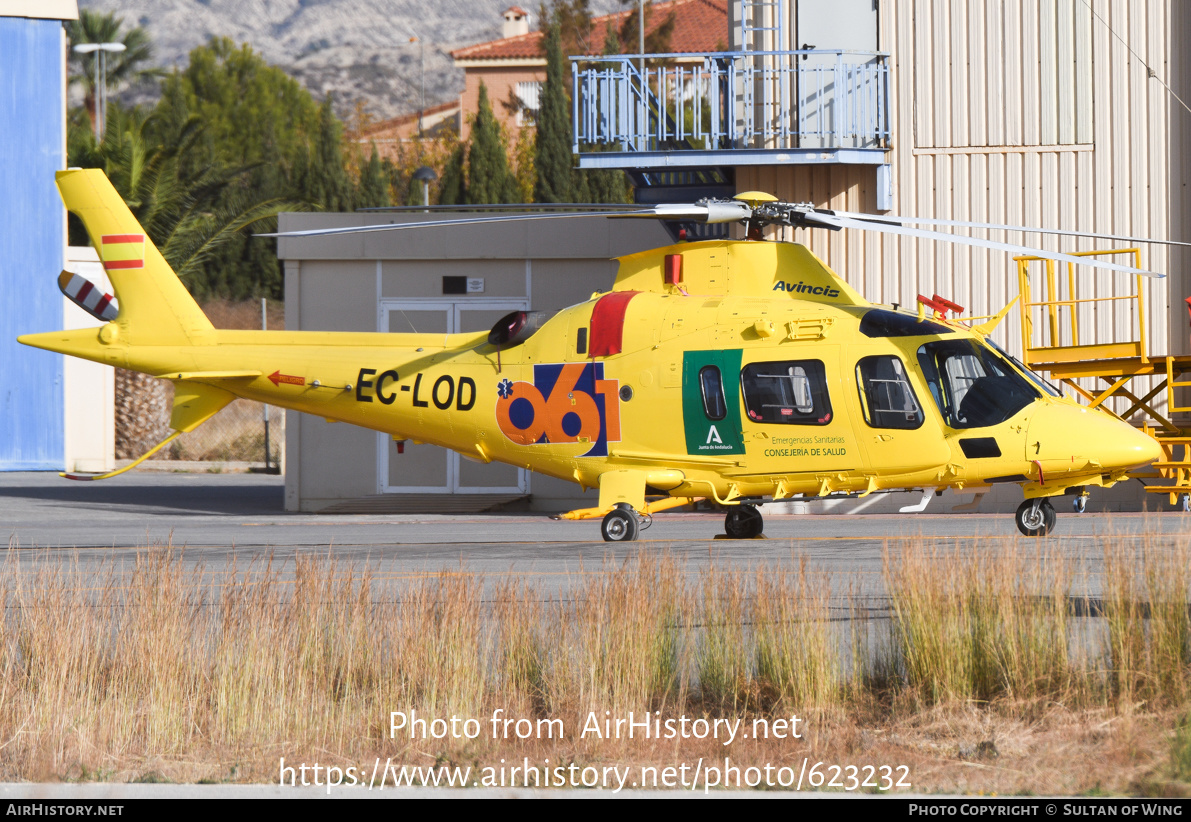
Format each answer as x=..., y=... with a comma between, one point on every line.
x=760, y=103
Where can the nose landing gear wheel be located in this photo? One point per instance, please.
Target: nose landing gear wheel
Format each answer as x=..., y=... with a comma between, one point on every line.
x=1035, y=517
x=620, y=524
x=744, y=522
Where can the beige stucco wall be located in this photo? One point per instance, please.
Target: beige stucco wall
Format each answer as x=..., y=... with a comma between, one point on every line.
x=501, y=81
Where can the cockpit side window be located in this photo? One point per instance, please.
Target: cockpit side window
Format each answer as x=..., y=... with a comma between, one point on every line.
x=886, y=394
x=791, y=392
x=972, y=385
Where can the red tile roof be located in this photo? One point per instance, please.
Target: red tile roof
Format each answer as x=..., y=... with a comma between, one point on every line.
x=700, y=26
x=383, y=126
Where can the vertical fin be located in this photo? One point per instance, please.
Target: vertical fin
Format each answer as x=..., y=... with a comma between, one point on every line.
x=155, y=308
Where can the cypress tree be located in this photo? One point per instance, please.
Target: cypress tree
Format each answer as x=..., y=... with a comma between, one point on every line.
x=555, y=181
x=488, y=179
x=324, y=180
x=374, y=186
x=453, y=187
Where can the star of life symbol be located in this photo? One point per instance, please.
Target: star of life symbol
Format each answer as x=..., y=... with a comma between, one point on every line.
x=504, y=388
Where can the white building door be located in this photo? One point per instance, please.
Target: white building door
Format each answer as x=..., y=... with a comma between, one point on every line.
x=429, y=469
x=834, y=103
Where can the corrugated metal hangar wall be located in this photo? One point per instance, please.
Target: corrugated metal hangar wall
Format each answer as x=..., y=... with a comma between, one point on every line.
x=1024, y=112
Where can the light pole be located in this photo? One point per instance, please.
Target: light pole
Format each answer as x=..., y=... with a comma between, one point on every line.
x=100, y=79
x=426, y=176
x=422, y=46
x=641, y=40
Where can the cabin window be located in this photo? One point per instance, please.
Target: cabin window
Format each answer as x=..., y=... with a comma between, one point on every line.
x=712, y=386
x=792, y=393
x=972, y=385
x=886, y=394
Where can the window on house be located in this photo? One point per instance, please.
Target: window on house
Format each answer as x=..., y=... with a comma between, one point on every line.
x=528, y=95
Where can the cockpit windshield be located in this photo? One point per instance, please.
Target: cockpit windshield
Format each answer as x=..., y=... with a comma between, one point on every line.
x=973, y=385
x=1045, y=385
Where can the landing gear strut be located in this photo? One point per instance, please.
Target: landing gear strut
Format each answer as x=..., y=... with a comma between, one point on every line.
x=744, y=521
x=1036, y=517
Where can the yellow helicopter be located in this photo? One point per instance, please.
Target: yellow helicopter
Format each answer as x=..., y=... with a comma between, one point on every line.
x=735, y=370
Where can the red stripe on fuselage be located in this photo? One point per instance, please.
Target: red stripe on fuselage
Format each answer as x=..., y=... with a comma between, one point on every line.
x=607, y=323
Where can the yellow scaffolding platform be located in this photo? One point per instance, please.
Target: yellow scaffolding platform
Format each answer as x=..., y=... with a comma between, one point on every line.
x=1054, y=346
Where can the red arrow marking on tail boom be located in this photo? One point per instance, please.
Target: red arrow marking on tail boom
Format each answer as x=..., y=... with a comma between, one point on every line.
x=277, y=378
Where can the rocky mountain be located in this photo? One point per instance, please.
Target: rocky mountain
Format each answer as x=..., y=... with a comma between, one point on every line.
x=359, y=49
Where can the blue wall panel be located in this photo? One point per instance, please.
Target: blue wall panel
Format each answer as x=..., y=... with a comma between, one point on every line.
x=31, y=241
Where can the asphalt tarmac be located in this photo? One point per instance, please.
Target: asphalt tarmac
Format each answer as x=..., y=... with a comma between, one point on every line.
x=216, y=520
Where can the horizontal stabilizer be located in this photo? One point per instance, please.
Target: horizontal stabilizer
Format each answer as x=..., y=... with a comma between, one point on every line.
x=194, y=404
x=208, y=375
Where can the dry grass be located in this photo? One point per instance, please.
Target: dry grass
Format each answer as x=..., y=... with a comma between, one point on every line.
x=980, y=680
x=981, y=626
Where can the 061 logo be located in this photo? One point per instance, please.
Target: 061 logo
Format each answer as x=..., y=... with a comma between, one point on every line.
x=568, y=402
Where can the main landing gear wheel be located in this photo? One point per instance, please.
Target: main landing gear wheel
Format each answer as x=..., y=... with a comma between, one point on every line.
x=744, y=522
x=1036, y=517
x=620, y=524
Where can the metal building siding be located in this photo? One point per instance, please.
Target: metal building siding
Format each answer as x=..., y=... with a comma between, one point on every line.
x=988, y=127
x=32, y=240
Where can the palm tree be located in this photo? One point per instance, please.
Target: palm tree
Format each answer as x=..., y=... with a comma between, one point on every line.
x=122, y=67
x=187, y=215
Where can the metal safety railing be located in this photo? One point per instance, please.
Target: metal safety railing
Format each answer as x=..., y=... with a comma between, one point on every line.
x=819, y=98
x=1057, y=338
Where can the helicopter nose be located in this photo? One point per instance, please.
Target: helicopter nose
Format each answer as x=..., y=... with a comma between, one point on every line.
x=1070, y=438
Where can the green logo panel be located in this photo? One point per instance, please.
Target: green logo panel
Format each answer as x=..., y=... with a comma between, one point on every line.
x=703, y=434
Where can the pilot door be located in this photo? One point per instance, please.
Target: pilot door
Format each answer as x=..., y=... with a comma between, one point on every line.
x=900, y=432
x=429, y=469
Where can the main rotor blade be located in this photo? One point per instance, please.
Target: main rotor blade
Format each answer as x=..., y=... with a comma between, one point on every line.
x=882, y=218
x=713, y=212
x=489, y=218
x=828, y=219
